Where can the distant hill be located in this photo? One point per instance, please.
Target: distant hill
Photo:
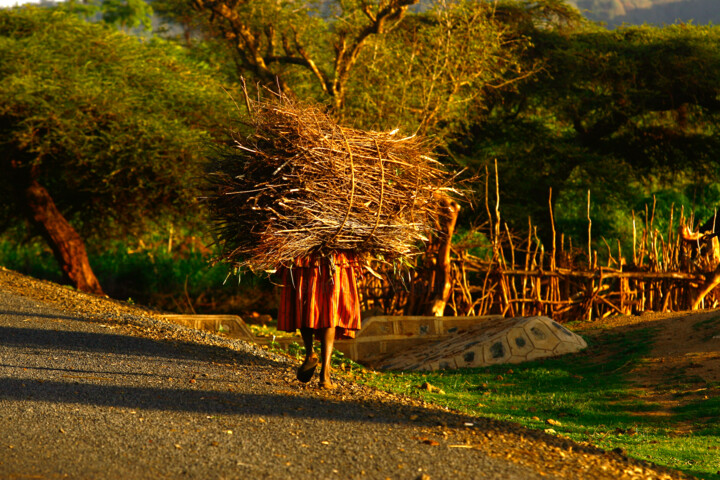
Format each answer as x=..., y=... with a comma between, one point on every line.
x=658, y=12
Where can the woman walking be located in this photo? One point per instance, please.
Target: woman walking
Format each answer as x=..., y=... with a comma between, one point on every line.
x=304, y=197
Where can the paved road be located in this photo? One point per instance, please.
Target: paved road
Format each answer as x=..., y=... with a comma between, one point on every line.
x=83, y=400
x=95, y=389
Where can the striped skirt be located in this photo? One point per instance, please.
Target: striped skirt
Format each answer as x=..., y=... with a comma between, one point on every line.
x=316, y=297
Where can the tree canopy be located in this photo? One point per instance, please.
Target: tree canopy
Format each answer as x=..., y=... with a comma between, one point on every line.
x=626, y=113
x=111, y=126
x=560, y=102
x=377, y=64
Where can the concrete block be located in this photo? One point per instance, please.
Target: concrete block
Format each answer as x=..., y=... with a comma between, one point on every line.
x=488, y=342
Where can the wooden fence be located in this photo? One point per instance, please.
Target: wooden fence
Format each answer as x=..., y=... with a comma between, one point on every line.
x=674, y=271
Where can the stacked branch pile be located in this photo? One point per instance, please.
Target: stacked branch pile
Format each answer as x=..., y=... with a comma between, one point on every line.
x=302, y=184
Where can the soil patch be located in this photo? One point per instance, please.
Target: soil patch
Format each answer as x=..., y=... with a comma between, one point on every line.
x=684, y=364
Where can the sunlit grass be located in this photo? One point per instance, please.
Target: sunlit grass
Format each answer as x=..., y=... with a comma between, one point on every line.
x=587, y=397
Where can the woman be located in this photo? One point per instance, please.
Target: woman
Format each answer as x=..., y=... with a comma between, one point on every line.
x=320, y=297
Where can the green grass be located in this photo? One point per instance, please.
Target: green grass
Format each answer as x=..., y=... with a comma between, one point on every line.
x=589, y=394
x=180, y=280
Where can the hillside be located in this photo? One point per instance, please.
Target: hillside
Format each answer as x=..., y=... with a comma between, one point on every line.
x=617, y=12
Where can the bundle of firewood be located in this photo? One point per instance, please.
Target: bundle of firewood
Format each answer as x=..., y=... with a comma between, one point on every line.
x=301, y=184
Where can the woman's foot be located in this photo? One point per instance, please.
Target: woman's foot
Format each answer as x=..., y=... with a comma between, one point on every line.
x=307, y=369
x=327, y=385
x=325, y=380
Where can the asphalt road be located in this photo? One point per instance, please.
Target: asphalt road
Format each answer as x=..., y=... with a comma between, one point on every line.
x=90, y=391
x=81, y=400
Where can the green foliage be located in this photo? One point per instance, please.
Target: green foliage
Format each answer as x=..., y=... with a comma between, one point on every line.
x=654, y=90
x=416, y=70
x=472, y=241
x=149, y=273
x=180, y=279
x=629, y=114
x=177, y=276
x=31, y=258
x=125, y=14
x=435, y=66
x=267, y=53
x=112, y=126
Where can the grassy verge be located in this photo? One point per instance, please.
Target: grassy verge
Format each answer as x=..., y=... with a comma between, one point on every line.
x=179, y=279
x=586, y=397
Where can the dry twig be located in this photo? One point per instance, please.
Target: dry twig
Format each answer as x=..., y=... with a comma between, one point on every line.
x=301, y=184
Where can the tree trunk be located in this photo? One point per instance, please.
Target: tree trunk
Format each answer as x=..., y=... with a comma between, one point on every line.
x=66, y=244
x=442, y=285
x=432, y=288
x=710, y=284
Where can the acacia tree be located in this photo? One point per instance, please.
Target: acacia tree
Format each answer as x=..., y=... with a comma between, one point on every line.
x=441, y=67
x=377, y=63
x=325, y=39
x=99, y=132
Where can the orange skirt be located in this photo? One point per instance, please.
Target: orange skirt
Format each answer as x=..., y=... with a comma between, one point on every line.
x=313, y=297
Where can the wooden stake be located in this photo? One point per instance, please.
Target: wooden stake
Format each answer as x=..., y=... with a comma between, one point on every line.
x=589, y=231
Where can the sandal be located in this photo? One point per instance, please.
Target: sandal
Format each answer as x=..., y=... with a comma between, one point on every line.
x=307, y=369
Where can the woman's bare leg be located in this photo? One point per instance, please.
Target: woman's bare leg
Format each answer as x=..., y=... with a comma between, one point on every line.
x=307, y=335
x=307, y=369
x=327, y=340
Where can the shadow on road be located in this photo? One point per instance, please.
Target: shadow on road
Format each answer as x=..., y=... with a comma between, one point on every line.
x=116, y=343
x=213, y=402
x=254, y=392
x=39, y=315
x=128, y=389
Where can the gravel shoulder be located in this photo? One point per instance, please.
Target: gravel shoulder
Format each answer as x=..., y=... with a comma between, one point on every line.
x=95, y=388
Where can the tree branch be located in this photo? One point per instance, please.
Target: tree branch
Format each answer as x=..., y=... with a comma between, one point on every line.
x=257, y=56
x=346, y=58
x=270, y=36
x=707, y=287
x=322, y=78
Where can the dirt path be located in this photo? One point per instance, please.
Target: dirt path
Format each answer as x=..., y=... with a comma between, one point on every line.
x=684, y=361
x=93, y=388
